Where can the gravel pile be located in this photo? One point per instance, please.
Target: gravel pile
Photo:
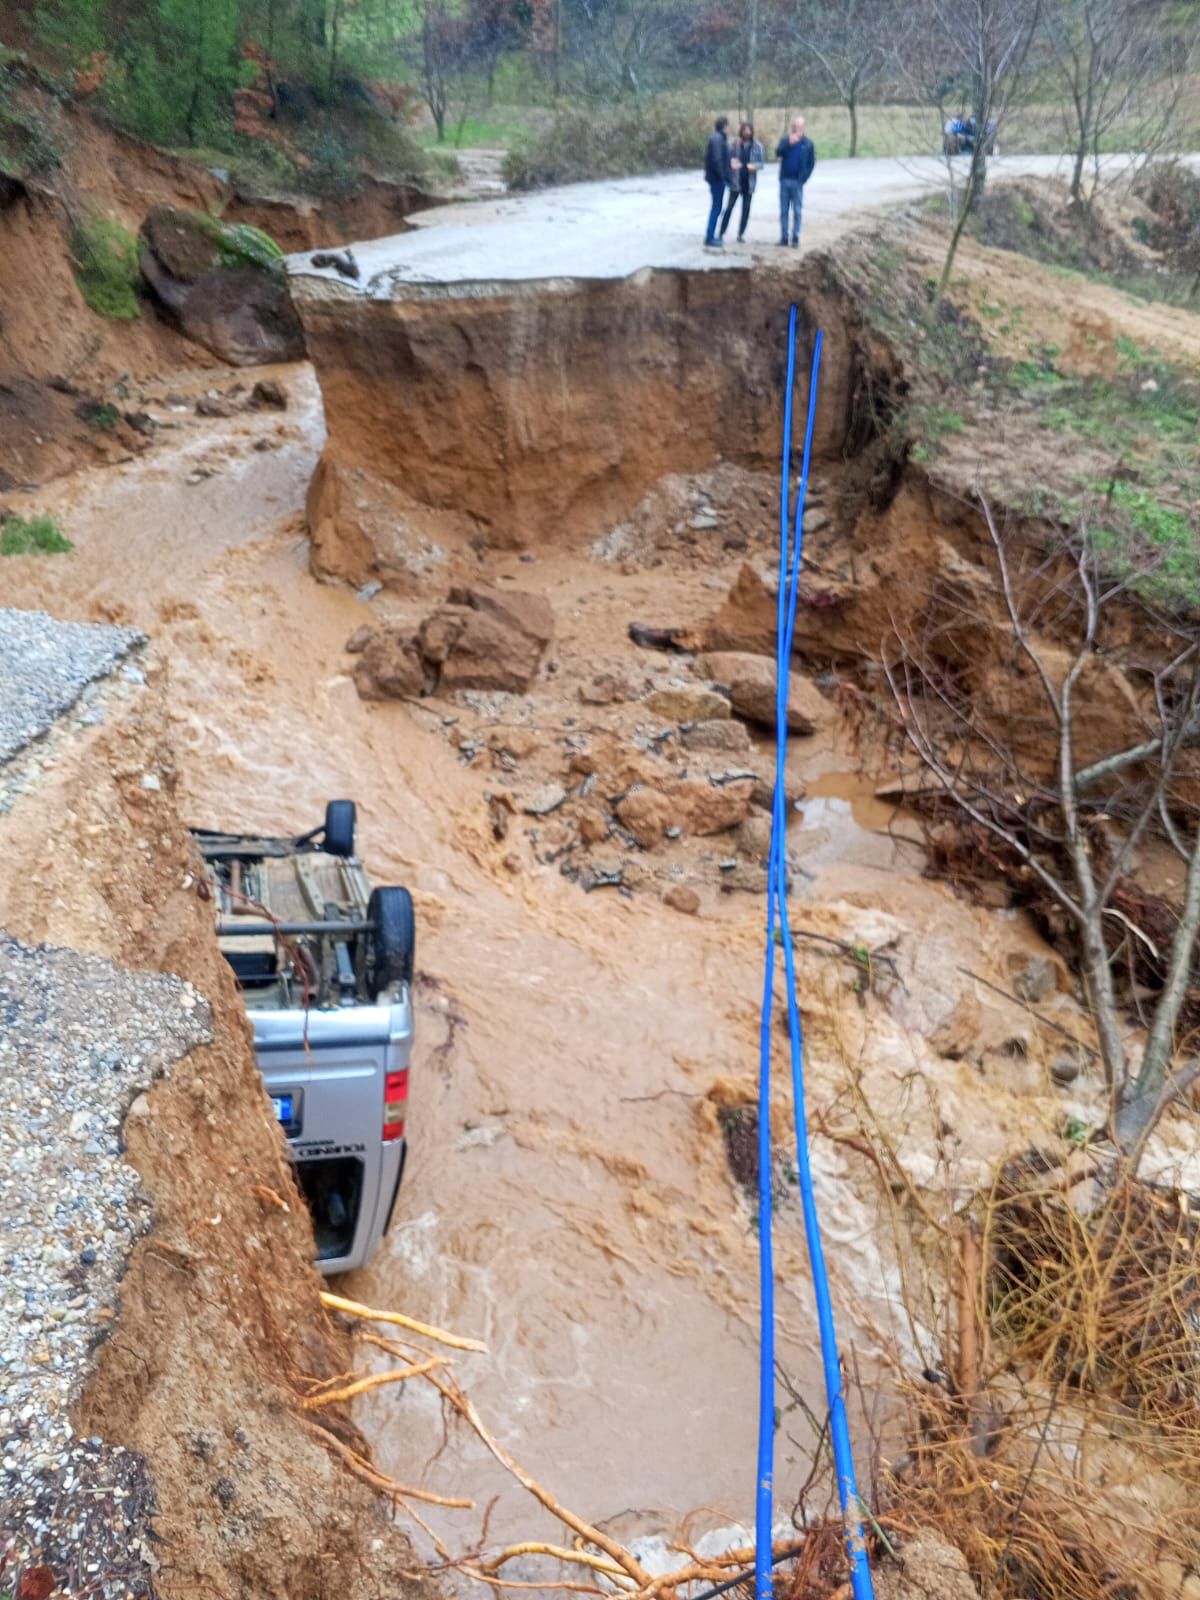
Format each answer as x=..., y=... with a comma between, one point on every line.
x=79, y=1041
x=45, y=665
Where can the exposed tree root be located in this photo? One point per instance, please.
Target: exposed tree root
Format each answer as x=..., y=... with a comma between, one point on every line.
x=374, y=1380
x=534, y=1547
x=352, y=1308
x=465, y=1409
x=378, y=1480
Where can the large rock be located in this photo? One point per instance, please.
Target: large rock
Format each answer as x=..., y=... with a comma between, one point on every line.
x=647, y=815
x=480, y=639
x=240, y=311
x=724, y=736
x=687, y=702
x=750, y=683
x=702, y=806
x=389, y=667
x=487, y=639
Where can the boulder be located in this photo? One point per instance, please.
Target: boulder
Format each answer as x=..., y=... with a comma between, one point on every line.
x=688, y=702
x=359, y=639
x=218, y=295
x=486, y=639
x=794, y=790
x=750, y=682
x=389, y=667
x=647, y=815
x=268, y=394
x=753, y=837
x=593, y=825
x=725, y=737
x=701, y=806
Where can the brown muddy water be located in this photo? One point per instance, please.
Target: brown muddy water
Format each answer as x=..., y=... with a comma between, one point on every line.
x=567, y=1197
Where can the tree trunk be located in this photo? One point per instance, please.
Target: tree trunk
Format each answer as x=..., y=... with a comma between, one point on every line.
x=1159, y=1053
x=1077, y=173
x=966, y=206
x=192, y=114
x=334, y=30
x=751, y=58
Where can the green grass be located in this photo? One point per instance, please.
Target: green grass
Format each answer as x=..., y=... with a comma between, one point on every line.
x=106, y=267
x=1127, y=466
x=101, y=414
x=21, y=536
x=478, y=133
x=240, y=244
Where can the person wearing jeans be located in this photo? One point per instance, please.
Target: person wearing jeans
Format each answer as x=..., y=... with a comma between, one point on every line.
x=746, y=158
x=797, y=158
x=716, y=175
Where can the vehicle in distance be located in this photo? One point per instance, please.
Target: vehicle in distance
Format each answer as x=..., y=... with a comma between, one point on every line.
x=325, y=966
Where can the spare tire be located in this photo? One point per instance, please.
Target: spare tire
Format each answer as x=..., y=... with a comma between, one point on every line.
x=339, y=827
x=392, y=941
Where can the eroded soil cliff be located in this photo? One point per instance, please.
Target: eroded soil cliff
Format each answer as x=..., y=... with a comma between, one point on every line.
x=158, y=1253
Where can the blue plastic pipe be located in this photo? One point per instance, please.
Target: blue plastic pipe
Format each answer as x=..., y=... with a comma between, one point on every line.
x=764, y=1497
x=791, y=555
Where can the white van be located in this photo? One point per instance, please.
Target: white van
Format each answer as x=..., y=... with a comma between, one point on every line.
x=325, y=966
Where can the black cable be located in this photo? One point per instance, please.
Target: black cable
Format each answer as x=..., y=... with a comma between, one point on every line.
x=732, y=1583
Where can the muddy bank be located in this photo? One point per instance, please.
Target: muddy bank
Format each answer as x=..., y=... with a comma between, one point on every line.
x=524, y=415
x=70, y=377
x=157, y=1248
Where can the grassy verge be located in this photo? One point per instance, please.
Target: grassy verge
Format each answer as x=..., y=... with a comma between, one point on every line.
x=21, y=536
x=1112, y=446
x=106, y=267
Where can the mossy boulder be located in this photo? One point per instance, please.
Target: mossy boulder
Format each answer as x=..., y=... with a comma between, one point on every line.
x=224, y=286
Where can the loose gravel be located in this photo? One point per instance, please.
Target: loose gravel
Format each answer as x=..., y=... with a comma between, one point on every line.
x=45, y=665
x=80, y=1042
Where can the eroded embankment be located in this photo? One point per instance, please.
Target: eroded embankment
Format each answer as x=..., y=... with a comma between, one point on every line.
x=158, y=1303
x=535, y=414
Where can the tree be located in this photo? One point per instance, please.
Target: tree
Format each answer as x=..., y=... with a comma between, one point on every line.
x=495, y=28
x=438, y=56
x=846, y=40
x=622, y=46
x=1122, y=66
x=969, y=53
x=1072, y=749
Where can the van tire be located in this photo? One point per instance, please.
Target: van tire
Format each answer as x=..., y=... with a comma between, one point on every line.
x=392, y=941
x=339, y=827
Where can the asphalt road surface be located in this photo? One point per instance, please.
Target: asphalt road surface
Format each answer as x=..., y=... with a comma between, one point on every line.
x=615, y=228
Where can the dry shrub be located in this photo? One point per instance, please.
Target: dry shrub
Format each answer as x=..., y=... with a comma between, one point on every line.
x=1061, y=1457
x=1096, y=1285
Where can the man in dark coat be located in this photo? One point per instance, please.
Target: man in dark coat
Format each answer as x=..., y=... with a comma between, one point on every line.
x=716, y=175
x=797, y=158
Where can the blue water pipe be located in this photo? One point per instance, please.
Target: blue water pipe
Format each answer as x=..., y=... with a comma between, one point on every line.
x=791, y=542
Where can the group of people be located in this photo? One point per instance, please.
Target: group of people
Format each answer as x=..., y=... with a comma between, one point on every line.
x=733, y=165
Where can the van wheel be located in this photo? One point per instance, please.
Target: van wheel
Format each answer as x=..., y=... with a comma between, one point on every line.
x=392, y=942
x=339, y=827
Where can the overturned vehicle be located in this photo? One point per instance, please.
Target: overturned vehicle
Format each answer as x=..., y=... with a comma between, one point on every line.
x=325, y=966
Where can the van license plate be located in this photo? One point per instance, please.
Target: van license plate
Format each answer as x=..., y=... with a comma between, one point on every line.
x=283, y=1106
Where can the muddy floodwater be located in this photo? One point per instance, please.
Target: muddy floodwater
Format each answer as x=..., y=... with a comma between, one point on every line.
x=567, y=1197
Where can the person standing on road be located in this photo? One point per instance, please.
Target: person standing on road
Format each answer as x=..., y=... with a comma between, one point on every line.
x=716, y=175
x=797, y=158
x=746, y=158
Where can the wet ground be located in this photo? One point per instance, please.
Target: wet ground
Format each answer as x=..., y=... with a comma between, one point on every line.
x=567, y=1197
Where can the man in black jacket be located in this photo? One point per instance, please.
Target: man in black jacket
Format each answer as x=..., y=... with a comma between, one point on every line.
x=797, y=158
x=716, y=175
